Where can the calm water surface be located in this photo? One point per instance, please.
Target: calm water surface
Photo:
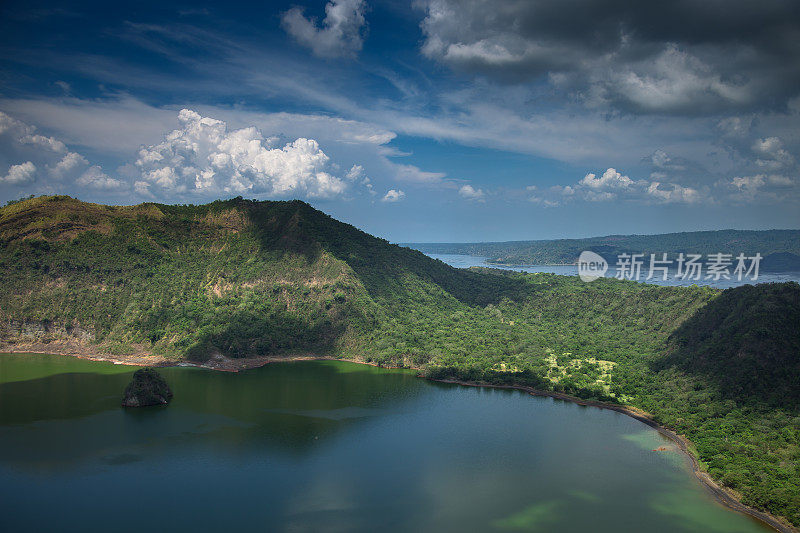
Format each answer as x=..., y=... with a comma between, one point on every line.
x=466, y=261
x=327, y=446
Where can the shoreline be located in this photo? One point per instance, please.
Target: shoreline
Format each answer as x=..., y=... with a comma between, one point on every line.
x=725, y=496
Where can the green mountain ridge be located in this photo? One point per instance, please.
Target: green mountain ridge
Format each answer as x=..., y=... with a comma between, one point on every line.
x=241, y=278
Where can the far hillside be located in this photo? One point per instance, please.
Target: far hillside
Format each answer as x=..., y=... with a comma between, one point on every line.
x=779, y=248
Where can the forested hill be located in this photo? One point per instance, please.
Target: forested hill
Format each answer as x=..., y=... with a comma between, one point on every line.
x=237, y=276
x=746, y=342
x=240, y=279
x=780, y=248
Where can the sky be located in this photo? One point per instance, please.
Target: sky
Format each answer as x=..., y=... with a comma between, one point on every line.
x=422, y=121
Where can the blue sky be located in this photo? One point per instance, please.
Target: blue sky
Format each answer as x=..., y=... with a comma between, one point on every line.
x=432, y=120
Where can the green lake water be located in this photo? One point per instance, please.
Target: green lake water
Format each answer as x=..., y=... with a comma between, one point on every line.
x=327, y=446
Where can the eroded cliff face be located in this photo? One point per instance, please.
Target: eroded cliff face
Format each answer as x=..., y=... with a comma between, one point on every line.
x=41, y=331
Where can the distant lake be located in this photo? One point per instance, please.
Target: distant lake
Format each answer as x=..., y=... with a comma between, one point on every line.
x=327, y=446
x=466, y=261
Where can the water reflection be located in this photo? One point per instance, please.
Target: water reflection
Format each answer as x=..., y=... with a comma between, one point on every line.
x=288, y=409
x=330, y=446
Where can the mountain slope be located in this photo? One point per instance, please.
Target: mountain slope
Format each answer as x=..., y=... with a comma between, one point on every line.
x=240, y=277
x=746, y=342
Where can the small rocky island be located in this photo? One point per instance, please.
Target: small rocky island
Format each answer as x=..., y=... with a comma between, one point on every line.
x=146, y=388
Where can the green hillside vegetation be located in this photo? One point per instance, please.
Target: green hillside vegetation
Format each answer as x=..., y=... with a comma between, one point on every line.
x=240, y=278
x=780, y=249
x=729, y=380
x=746, y=342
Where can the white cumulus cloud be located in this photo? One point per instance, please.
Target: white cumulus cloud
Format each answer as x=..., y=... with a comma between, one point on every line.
x=48, y=159
x=67, y=164
x=339, y=34
x=95, y=178
x=771, y=154
x=19, y=174
x=48, y=143
x=770, y=187
x=470, y=193
x=204, y=156
x=8, y=123
x=393, y=195
x=355, y=173
x=614, y=185
x=672, y=193
x=611, y=179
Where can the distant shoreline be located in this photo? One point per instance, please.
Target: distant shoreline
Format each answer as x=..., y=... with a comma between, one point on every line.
x=723, y=495
x=490, y=264
x=525, y=265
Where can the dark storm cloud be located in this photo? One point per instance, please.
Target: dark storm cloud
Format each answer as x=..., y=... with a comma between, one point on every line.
x=686, y=57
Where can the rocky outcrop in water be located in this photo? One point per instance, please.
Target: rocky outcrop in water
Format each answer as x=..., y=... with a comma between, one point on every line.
x=146, y=388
